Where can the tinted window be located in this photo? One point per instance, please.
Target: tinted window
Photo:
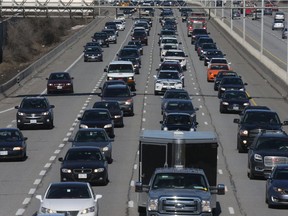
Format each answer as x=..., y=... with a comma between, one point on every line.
x=68, y=192
x=116, y=92
x=34, y=104
x=90, y=136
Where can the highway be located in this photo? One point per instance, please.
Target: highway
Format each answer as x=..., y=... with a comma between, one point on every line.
x=21, y=181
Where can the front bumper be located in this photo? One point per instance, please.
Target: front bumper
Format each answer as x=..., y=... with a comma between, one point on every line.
x=85, y=176
x=33, y=121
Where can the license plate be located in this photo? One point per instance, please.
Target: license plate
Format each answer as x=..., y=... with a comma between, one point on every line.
x=82, y=176
x=235, y=107
x=33, y=121
x=59, y=87
x=3, y=152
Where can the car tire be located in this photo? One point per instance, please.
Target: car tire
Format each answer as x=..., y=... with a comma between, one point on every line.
x=240, y=148
x=221, y=109
x=251, y=175
x=115, y=42
x=107, y=45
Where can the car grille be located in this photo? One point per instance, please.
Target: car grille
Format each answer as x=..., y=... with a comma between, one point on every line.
x=168, y=84
x=179, y=205
x=79, y=171
x=34, y=115
x=271, y=161
x=69, y=213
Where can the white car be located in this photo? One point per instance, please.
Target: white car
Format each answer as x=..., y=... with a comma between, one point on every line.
x=167, y=47
x=177, y=55
x=168, y=40
x=279, y=15
x=120, y=24
x=71, y=198
x=167, y=79
x=278, y=24
x=218, y=60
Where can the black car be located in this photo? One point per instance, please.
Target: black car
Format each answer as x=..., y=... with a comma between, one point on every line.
x=178, y=122
x=180, y=106
x=138, y=44
x=96, y=137
x=166, y=32
x=231, y=83
x=35, y=111
x=203, y=39
x=101, y=38
x=197, y=31
x=212, y=53
x=233, y=101
x=122, y=94
x=141, y=36
x=93, y=53
x=12, y=144
x=201, y=51
x=97, y=118
x=277, y=186
x=252, y=122
x=92, y=44
x=133, y=55
x=252, y=108
x=86, y=164
x=112, y=35
x=171, y=94
x=112, y=82
x=221, y=75
x=114, y=109
x=111, y=25
x=269, y=148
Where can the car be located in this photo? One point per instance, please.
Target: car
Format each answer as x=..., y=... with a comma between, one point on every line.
x=250, y=107
x=122, y=70
x=221, y=75
x=114, y=109
x=166, y=33
x=172, y=65
x=176, y=55
x=284, y=33
x=201, y=51
x=35, y=112
x=92, y=44
x=198, y=31
x=111, y=25
x=168, y=40
x=131, y=54
x=251, y=122
x=279, y=15
x=200, y=40
x=120, y=24
x=269, y=148
x=171, y=94
x=96, y=137
x=67, y=197
x=122, y=94
x=60, y=82
x=236, y=14
x=278, y=24
x=97, y=117
x=231, y=83
x=212, y=53
x=138, y=44
x=222, y=60
x=12, y=144
x=233, y=101
x=93, y=53
x=112, y=35
x=142, y=23
x=112, y=82
x=101, y=38
x=180, y=106
x=276, y=187
x=167, y=47
x=167, y=79
x=214, y=69
x=140, y=35
x=178, y=122
x=268, y=11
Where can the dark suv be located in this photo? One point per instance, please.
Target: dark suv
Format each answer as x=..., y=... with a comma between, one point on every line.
x=254, y=121
x=101, y=38
x=269, y=148
x=34, y=111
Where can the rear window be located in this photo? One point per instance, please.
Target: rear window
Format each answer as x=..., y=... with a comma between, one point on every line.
x=116, y=92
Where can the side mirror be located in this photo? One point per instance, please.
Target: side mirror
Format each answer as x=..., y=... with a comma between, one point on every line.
x=155, y=76
x=105, y=69
x=39, y=197
x=52, y=106
x=25, y=138
x=133, y=94
x=70, y=140
x=48, y=79
x=237, y=121
x=138, y=187
x=161, y=122
x=220, y=189
x=16, y=107
x=60, y=159
x=79, y=118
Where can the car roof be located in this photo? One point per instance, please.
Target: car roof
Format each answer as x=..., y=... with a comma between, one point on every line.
x=116, y=86
x=120, y=62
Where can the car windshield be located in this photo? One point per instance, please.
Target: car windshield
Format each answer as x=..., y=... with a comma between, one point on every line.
x=95, y=115
x=261, y=118
x=68, y=192
x=167, y=75
x=116, y=92
x=281, y=174
x=121, y=68
x=173, y=41
x=272, y=143
x=59, y=76
x=129, y=53
x=93, y=49
x=235, y=95
x=221, y=61
x=179, y=106
x=84, y=155
x=209, y=46
x=100, y=35
x=90, y=136
x=34, y=104
x=173, y=53
x=214, y=53
x=139, y=33
x=219, y=67
x=180, y=180
x=232, y=81
x=9, y=136
x=179, y=95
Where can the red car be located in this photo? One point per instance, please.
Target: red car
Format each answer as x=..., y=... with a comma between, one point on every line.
x=60, y=82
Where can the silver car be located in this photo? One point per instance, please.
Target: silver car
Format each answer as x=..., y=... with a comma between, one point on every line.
x=71, y=198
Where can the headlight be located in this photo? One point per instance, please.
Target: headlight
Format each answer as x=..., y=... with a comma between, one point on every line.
x=83, y=126
x=165, y=129
x=45, y=113
x=105, y=149
x=243, y=132
x=152, y=204
x=68, y=84
x=246, y=104
x=128, y=102
x=225, y=103
x=206, y=206
x=257, y=157
x=222, y=89
x=241, y=89
x=117, y=116
x=98, y=170
x=20, y=113
x=50, y=84
x=108, y=126
x=130, y=78
x=64, y=170
x=47, y=210
x=17, y=148
x=88, y=210
x=192, y=129
x=110, y=78
x=279, y=190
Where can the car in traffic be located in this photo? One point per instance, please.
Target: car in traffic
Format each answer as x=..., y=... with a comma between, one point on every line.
x=131, y=54
x=96, y=137
x=120, y=24
x=69, y=197
x=231, y=83
x=171, y=94
x=198, y=31
x=167, y=79
x=84, y=164
x=278, y=24
x=279, y=15
x=167, y=47
x=122, y=94
x=97, y=118
x=214, y=69
x=233, y=101
x=93, y=53
x=101, y=38
x=112, y=82
x=178, y=122
x=114, y=109
x=277, y=187
x=201, y=51
x=222, y=60
x=213, y=53
x=141, y=36
x=138, y=44
x=35, y=112
x=60, y=82
x=176, y=55
x=112, y=35
x=252, y=122
x=172, y=65
x=12, y=144
x=269, y=148
x=221, y=75
x=200, y=40
x=168, y=40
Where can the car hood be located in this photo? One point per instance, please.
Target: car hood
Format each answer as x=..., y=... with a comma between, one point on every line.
x=98, y=123
x=232, y=86
x=96, y=144
x=10, y=144
x=180, y=111
x=32, y=110
x=119, y=75
x=119, y=99
x=179, y=127
x=236, y=100
x=180, y=192
x=83, y=164
x=68, y=204
x=252, y=126
x=283, y=183
x=272, y=152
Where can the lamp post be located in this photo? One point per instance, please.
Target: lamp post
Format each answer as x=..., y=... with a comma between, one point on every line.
x=262, y=29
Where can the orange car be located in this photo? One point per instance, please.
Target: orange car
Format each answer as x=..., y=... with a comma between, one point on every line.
x=213, y=70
